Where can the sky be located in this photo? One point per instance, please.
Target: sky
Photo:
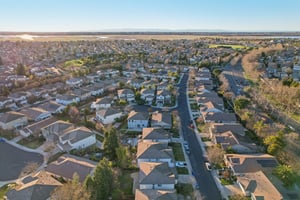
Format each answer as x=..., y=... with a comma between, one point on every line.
x=109, y=15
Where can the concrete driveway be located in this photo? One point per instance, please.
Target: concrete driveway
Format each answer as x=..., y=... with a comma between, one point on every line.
x=13, y=160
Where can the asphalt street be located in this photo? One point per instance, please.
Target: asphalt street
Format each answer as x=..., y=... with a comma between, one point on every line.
x=207, y=185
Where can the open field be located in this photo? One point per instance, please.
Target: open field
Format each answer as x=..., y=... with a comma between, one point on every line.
x=227, y=46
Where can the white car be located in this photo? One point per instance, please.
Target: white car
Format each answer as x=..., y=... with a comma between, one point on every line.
x=208, y=166
x=181, y=164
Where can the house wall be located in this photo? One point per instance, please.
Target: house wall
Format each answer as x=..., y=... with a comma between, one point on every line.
x=13, y=124
x=109, y=119
x=137, y=124
x=157, y=186
x=43, y=116
x=160, y=140
x=84, y=143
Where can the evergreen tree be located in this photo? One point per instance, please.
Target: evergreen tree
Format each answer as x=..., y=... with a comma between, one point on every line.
x=110, y=143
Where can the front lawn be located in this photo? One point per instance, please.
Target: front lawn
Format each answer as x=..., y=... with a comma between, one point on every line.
x=178, y=152
x=7, y=134
x=32, y=142
x=182, y=170
x=226, y=181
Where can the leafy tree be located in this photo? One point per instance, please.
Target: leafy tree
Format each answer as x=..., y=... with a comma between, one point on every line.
x=71, y=190
x=20, y=69
x=241, y=103
x=274, y=143
x=74, y=114
x=100, y=185
x=285, y=174
x=111, y=143
x=258, y=126
x=123, y=157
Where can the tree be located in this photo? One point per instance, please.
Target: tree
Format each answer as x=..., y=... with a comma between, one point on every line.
x=101, y=184
x=241, y=103
x=285, y=174
x=258, y=126
x=71, y=190
x=20, y=69
x=123, y=157
x=110, y=142
x=1, y=62
x=74, y=114
x=274, y=143
x=215, y=155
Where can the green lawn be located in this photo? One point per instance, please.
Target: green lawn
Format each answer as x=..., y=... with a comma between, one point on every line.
x=182, y=170
x=227, y=46
x=32, y=142
x=178, y=152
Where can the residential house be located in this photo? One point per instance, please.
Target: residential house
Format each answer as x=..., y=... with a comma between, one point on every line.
x=77, y=138
x=11, y=120
x=37, y=187
x=161, y=119
x=126, y=94
x=163, y=97
x=216, y=128
x=56, y=129
x=157, y=176
x=96, y=89
x=202, y=89
x=36, y=128
x=66, y=165
x=108, y=115
x=137, y=120
x=19, y=97
x=148, y=96
x=219, y=117
x=296, y=72
x=228, y=141
x=5, y=101
x=156, y=195
x=156, y=135
x=154, y=152
x=52, y=107
x=251, y=170
x=67, y=99
x=74, y=82
x=104, y=102
x=163, y=85
x=210, y=107
x=82, y=93
x=93, y=77
x=35, y=114
x=135, y=83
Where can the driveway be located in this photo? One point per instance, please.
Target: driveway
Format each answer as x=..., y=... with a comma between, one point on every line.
x=14, y=160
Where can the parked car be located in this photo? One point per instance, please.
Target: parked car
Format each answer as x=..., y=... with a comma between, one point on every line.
x=208, y=166
x=2, y=140
x=180, y=164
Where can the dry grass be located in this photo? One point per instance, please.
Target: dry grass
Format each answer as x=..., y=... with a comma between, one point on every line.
x=250, y=61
